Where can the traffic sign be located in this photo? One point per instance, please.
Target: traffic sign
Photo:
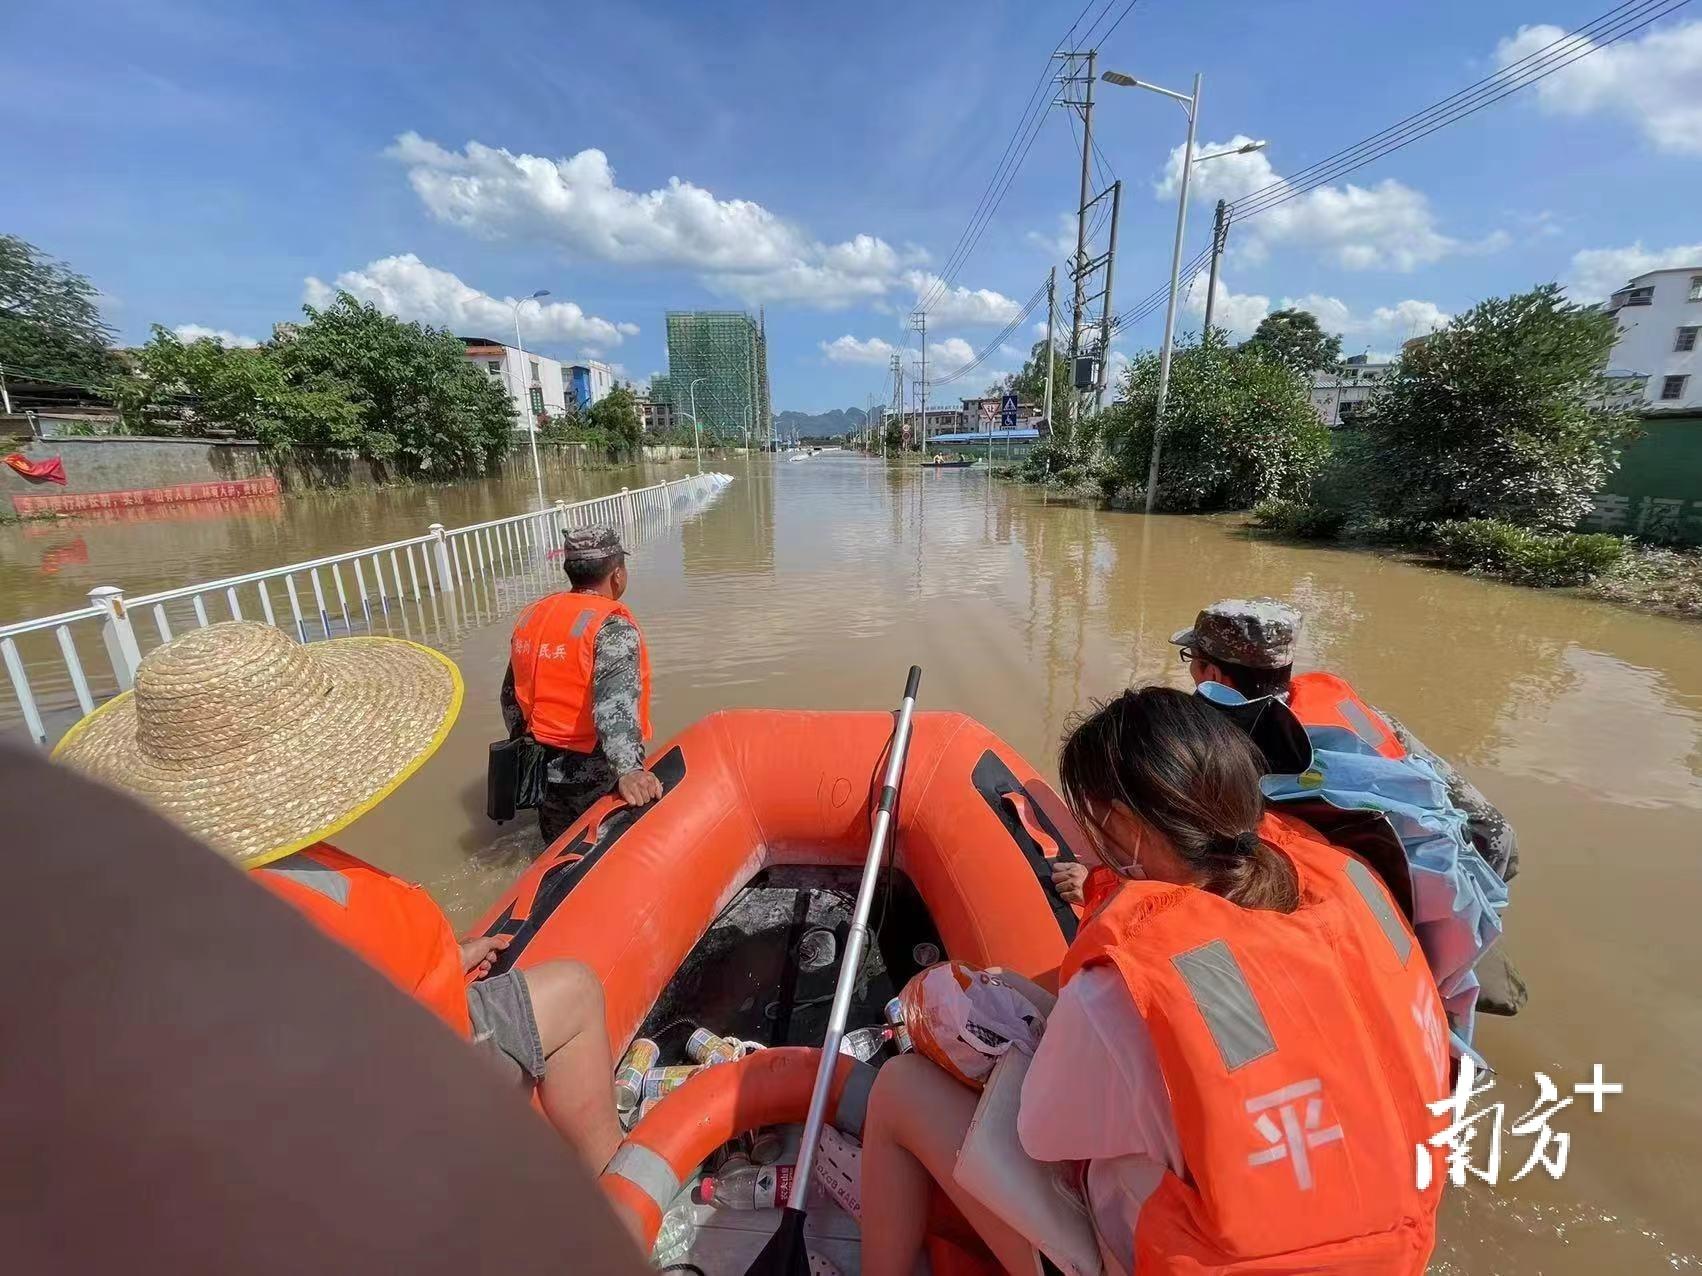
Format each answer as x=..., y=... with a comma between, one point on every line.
x=1007, y=413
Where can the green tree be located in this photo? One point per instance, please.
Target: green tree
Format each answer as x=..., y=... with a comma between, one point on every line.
x=616, y=415
x=180, y=387
x=421, y=406
x=1294, y=339
x=50, y=324
x=1495, y=417
x=1239, y=428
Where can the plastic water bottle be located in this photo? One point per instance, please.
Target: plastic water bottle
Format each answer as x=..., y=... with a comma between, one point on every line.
x=864, y=1043
x=673, y=1241
x=747, y=1187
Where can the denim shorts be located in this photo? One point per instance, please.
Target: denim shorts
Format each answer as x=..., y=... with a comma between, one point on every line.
x=504, y=1025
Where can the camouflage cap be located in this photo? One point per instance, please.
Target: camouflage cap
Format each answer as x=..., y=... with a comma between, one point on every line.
x=1258, y=633
x=588, y=544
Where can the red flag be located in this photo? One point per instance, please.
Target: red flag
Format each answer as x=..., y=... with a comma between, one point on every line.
x=49, y=471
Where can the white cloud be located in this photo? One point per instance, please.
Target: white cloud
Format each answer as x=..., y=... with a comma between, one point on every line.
x=958, y=305
x=948, y=355
x=1388, y=226
x=1654, y=81
x=849, y=349
x=1596, y=272
x=1403, y=320
x=1238, y=312
x=224, y=336
x=406, y=287
x=1060, y=243
x=735, y=245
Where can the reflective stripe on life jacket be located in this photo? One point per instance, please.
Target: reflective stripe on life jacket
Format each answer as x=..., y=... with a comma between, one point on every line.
x=392, y=924
x=553, y=653
x=1300, y=1051
x=1324, y=700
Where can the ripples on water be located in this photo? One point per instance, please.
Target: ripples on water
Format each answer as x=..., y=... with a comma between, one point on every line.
x=816, y=584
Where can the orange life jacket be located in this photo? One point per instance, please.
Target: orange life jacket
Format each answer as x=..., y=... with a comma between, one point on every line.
x=392, y=924
x=1324, y=700
x=1300, y=1051
x=553, y=652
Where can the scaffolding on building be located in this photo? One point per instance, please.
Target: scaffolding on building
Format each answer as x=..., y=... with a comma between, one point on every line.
x=724, y=353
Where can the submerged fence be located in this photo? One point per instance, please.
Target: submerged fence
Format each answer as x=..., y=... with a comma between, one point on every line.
x=62, y=666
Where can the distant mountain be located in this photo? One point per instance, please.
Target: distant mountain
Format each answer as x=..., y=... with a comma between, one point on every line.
x=818, y=425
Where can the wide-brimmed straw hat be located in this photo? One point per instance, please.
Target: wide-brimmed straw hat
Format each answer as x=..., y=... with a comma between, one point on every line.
x=261, y=745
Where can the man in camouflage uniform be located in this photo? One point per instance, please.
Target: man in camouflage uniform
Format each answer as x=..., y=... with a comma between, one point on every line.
x=595, y=563
x=1248, y=644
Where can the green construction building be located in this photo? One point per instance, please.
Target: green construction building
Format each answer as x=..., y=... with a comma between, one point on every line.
x=725, y=354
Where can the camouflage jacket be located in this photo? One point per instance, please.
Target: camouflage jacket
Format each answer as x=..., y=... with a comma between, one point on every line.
x=614, y=710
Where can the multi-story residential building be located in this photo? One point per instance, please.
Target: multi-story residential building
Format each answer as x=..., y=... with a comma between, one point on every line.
x=589, y=381
x=656, y=414
x=724, y=353
x=533, y=382
x=1339, y=392
x=1660, y=316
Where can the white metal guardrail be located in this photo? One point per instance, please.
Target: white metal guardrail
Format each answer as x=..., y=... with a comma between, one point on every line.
x=55, y=680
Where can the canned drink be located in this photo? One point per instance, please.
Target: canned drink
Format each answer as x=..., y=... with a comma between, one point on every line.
x=704, y=1046
x=661, y=1081
x=900, y=1034
x=766, y=1146
x=640, y=1057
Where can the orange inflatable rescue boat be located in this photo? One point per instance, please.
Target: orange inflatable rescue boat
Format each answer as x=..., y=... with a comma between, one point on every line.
x=725, y=904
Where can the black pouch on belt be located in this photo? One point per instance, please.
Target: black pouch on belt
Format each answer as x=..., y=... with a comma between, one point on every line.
x=515, y=777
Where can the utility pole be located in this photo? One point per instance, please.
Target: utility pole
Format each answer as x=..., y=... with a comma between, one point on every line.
x=5, y=397
x=1219, y=233
x=1105, y=299
x=1051, y=350
x=897, y=400
x=920, y=322
x=1084, y=204
x=1170, y=308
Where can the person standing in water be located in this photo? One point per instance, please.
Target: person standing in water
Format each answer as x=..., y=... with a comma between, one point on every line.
x=1243, y=1049
x=578, y=682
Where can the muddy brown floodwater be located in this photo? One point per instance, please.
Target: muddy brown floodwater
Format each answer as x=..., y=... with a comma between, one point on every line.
x=816, y=584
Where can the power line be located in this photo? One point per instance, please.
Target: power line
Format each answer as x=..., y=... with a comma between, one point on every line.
x=1003, y=172
x=1621, y=21
x=1617, y=23
x=996, y=342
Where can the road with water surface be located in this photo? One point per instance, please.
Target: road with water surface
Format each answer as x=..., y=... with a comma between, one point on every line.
x=817, y=584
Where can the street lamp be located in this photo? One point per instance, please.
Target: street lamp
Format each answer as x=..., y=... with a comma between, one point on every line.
x=1191, y=105
x=696, y=434
x=525, y=399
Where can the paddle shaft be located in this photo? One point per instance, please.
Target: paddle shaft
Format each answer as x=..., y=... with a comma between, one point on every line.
x=852, y=963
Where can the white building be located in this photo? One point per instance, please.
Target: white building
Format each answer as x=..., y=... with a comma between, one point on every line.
x=532, y=381
x=1660, y=315
x=588, y=382
x=1338, y=392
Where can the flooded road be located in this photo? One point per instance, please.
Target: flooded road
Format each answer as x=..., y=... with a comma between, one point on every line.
x=817, y=584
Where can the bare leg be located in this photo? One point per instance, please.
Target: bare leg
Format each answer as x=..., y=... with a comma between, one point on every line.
x=918, y=1117
x=578, y=1087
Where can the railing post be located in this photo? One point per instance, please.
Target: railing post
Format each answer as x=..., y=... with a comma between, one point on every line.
x=445, y=571
x=626, y=506
x=667, y=504
x=561, y=519
x=120, y=637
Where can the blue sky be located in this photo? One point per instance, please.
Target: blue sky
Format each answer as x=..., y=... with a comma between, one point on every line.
x=217, y=164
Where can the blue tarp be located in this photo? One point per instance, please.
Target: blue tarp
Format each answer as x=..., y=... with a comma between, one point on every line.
x=1457, y=896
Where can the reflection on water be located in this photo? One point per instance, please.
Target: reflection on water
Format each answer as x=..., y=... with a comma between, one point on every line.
x=817, y=584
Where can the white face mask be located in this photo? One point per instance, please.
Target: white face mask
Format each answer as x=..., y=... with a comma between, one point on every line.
x=1132, y=871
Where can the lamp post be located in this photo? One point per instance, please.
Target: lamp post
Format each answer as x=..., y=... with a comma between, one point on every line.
x=696, y=434
x=525, y=398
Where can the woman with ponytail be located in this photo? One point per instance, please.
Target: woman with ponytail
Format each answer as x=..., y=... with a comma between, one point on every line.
x=1244, y=1044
